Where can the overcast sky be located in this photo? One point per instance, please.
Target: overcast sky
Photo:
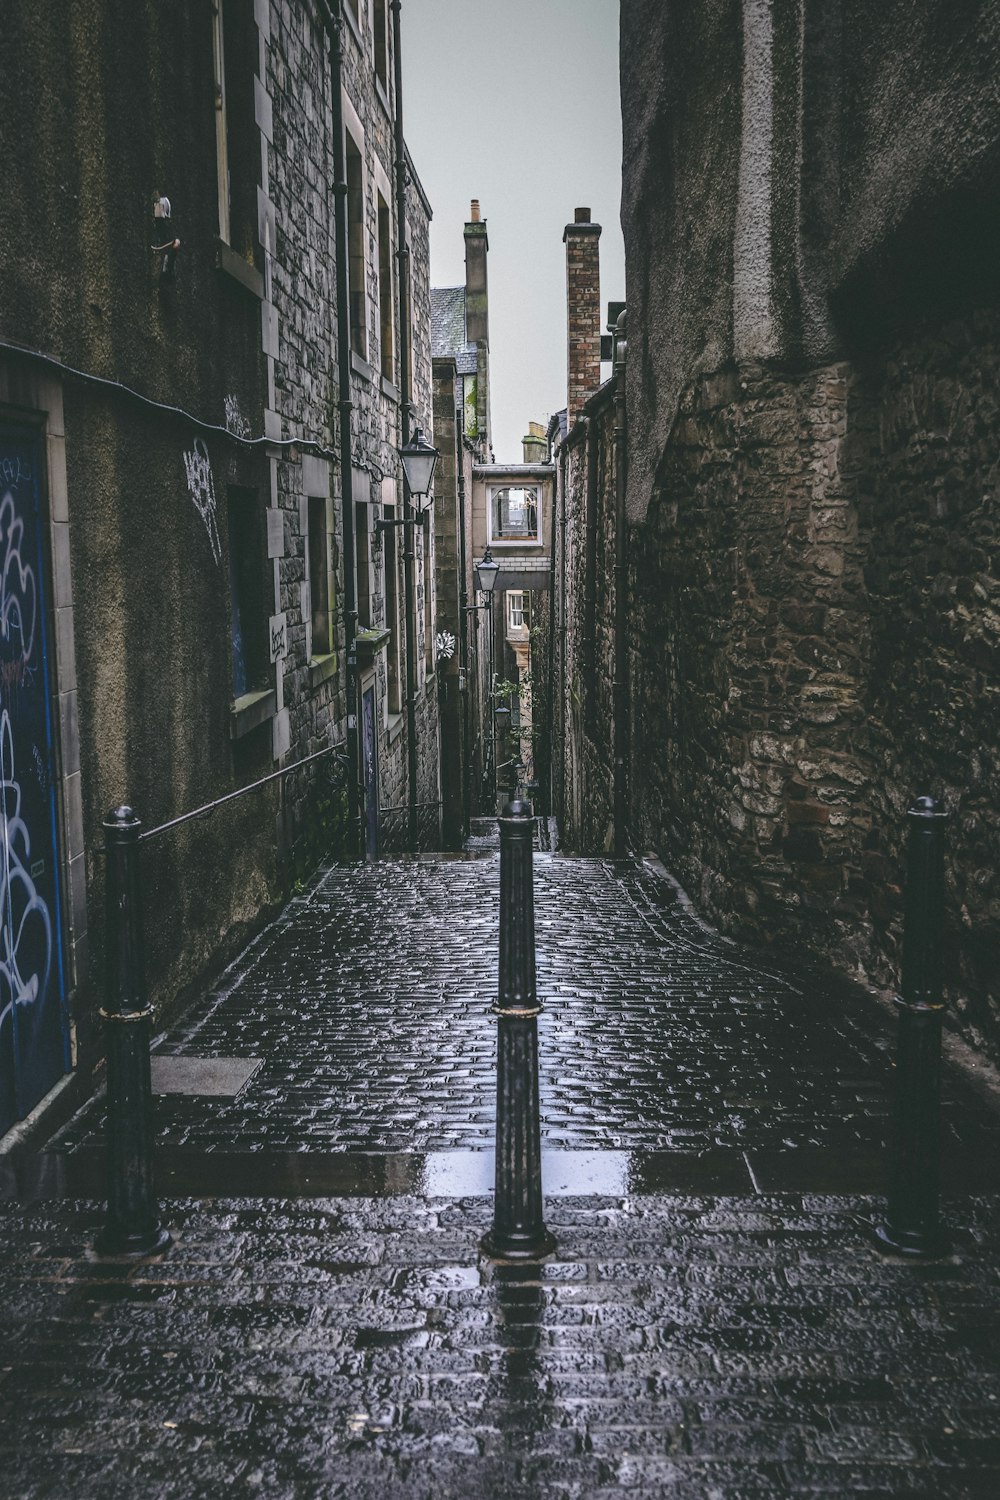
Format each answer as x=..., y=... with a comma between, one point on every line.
x=515, y=102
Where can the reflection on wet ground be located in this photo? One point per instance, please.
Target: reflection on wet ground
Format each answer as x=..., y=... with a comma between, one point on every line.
x=368, y=1001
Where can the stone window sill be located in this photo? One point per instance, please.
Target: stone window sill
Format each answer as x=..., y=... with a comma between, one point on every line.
x=390, y=390
x=250, y=711
x=361, y=367
x=230, y=264
x=393, y=727
x=322, y=668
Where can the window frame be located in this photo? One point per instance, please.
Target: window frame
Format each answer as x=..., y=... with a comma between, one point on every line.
x=521, y=539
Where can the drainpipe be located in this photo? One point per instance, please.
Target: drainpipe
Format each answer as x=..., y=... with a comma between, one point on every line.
x=332, y=25
x=405, y=409
x=621, y=703
x=463, y=613
x=562, y=642
x=551, y=704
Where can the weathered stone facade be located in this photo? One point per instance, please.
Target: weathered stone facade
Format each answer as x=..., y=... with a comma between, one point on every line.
x=812, y=533
x=307, y=393
x=191, y=492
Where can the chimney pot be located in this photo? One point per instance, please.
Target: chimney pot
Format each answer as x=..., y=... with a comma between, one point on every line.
x=581, y=216
x=474, y=215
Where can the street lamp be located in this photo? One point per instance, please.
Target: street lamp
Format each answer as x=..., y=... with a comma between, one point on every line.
x=419, y=462
x=486, y=574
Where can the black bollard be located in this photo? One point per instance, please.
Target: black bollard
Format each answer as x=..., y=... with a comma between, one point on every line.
x=911, y=1225
x=519, y=1231
x=132, y=1225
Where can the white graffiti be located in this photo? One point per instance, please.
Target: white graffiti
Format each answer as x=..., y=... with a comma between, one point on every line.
x=202, y=491
x=236, y=422
x=13, y=470
x=25, y=924
x=18, y=600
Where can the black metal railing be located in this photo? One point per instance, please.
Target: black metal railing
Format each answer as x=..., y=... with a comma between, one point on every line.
x=394, y=829
x=132, y=1222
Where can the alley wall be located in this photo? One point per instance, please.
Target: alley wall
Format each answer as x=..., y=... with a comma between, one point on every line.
x=812, y=484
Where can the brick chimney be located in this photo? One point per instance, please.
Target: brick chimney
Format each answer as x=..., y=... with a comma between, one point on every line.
x=477, y=321
x=583, y=308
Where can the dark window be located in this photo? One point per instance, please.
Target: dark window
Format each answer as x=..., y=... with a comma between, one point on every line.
x=356, y=248
x=515, y=514
x=362, y=544
x=235, y=45
x=382, y=44
x=428, y=612
x=385, y=286
x=392, y=612
x=248, y=617
x=319, y=577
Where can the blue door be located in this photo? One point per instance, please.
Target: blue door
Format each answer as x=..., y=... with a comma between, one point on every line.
x=34, y=1025
x=369, y=757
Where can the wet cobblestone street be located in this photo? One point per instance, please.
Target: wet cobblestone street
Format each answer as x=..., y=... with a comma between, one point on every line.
x=715, y=1324
x=368, y=1003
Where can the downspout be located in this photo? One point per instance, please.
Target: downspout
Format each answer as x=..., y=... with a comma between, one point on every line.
x=403, y=259
x=463, y=614
x=562, y=643
x=355, y=777
x=551, y=704
x=621, y=695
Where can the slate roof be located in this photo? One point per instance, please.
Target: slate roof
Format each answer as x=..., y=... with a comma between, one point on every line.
x=448, y=328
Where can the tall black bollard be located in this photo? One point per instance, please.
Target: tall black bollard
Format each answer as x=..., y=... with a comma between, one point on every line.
x=132, y=1226
x=519, y=1231
x=911, y=1225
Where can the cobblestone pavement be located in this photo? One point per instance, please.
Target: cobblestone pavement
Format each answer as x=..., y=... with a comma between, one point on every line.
x=735, y=1338
x=704, y=1349
x=368, y=1002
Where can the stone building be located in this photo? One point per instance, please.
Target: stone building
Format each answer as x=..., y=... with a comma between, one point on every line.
x=171, y=477
x=809, y=529
x=461, y=364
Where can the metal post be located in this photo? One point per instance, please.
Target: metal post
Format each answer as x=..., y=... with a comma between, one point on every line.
x=519, y=1231
x=911, y=1225
x=132, y=1226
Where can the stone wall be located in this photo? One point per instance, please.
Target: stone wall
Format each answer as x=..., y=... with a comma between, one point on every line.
x=305, y=379
x=810, y=215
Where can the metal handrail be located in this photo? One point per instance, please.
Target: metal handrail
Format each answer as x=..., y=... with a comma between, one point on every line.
x=208, y=808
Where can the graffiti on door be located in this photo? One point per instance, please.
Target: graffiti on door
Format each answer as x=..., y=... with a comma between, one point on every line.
x=34, y=1041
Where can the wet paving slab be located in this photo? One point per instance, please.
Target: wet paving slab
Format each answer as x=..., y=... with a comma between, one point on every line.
x=367, y=1006
x=679, y=1345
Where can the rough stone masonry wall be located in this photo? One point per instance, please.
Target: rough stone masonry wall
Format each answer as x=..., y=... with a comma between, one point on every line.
x=587, y=749
x=819, y=564
x=306, y=385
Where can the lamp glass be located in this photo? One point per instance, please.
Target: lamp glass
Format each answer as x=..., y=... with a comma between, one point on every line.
x=486, y=573
x=419, y=461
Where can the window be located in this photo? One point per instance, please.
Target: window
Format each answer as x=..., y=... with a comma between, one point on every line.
x=392, y=612
x=319, y=579
x=428, y=596
x=248, y=622
x=514, y=514
x=515, y=610
x=362, y=547
x=382, y=44
x=221, y=120
x=237, y=136
x=385, y=306
x=356, y=248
